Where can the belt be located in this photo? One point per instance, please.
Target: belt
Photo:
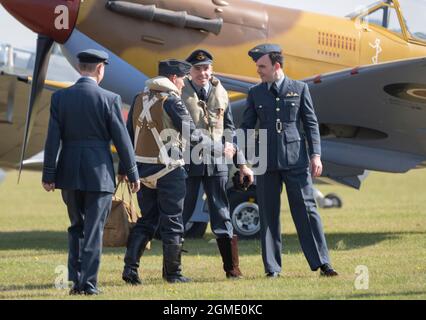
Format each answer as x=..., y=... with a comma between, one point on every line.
x=87, y=143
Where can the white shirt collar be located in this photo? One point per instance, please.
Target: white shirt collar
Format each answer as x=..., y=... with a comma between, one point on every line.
x=278, y=82
x=91, y=78
x=198, y=88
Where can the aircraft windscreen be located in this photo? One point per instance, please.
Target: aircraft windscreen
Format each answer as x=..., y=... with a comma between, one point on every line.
x=362, y=10
x=413, y=12
x=385, y=17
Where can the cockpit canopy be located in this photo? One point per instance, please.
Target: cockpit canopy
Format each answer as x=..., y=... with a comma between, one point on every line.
x=403, y=17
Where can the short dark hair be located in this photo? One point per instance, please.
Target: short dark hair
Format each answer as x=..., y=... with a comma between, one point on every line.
x=276, y=57
x=165, y=74
x=88, y=67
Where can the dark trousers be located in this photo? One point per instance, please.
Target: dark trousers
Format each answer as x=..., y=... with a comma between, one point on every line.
x=88, y=212
x=217, y=200
x=162, y=208
x=304, y=212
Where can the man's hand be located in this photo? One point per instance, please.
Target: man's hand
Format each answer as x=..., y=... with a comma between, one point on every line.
x=135, y=186
x=229, y=150
x=121, y=178
x=48, y=186
x=246, y=172
x=316, y=166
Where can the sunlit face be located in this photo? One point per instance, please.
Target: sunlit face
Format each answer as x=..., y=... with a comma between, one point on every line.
x=201, y=74
x=266, y=69
x=178, y=82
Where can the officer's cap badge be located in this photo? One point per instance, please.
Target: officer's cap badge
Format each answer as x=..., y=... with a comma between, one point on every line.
x=201, y=56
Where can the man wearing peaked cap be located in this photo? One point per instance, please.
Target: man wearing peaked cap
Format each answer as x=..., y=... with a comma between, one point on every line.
x=174, y=66
x=93, y=56
x=200, y=57
x=260, y=50
x=85, y=118
x=208, y=103
x=155, y=111
x=284, y=108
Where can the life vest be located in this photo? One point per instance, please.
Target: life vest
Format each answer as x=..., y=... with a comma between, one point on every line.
x=207, y=115
x=154, y=131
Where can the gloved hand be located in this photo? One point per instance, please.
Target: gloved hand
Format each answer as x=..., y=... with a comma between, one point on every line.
x=236, y=180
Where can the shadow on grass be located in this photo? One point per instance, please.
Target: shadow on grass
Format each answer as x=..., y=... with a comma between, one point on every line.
x=57, y=241
x=33, y=240
x=385, y=295
x=35, y=291
x=27, y=291
x=27, y=287
x=36, y=296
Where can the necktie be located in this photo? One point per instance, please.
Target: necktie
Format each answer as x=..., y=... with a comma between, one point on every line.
x=202, y=94
x=274, y=89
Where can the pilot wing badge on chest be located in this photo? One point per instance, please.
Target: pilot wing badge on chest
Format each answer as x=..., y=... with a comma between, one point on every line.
x=292, y=94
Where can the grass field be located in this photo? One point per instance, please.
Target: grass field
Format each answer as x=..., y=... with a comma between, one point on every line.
x=381, y=227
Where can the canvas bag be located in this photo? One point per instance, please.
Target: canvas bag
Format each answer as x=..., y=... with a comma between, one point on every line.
x=121, y=219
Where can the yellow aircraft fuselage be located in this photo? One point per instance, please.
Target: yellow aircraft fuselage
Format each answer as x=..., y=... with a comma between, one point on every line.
x=312, y=43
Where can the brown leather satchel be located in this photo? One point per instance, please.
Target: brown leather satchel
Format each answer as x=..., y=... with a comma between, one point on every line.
x=121, y=219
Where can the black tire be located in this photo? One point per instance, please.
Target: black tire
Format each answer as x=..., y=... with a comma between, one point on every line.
x=195, y=230
x=244, y=213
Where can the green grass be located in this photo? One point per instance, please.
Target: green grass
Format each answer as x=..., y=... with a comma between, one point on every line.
x=383, y=227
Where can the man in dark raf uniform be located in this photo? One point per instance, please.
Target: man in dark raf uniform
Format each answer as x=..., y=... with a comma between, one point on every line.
x=156, y=123
x=284, y=108
x=85, y=118
x=208, y=103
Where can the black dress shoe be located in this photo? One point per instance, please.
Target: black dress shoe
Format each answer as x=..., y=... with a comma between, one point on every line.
x=272, y=275
x=91, y=292
x=328, y=271
x=177, y=279
x=74, y=291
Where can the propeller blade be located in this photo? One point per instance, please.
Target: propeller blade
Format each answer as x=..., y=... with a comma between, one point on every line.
x=44, y=49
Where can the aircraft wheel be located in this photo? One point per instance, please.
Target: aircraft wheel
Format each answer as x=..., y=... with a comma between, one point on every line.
x=245, y=213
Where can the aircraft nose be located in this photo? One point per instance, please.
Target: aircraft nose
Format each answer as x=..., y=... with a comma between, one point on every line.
x=55, y=19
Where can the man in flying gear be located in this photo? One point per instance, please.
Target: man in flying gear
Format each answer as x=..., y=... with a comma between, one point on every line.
x=157, y=121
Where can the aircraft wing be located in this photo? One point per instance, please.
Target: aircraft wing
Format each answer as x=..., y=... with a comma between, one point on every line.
x=14, y=94
x=236, y=83
x=371, y=117
x=348, y=176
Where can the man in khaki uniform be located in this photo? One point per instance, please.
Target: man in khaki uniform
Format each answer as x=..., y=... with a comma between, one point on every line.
x=208, y=103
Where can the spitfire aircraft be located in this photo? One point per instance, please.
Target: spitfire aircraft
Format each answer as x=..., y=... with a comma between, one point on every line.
x=366, y=72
